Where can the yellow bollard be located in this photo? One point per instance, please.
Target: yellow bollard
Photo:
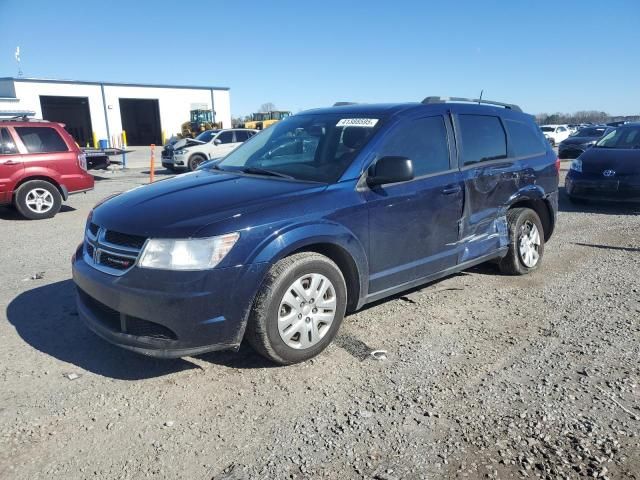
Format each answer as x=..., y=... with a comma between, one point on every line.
x=153, y=161
x=124, y=139
x=164, y=137
x=95, y=139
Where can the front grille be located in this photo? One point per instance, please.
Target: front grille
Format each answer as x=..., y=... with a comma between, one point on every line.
x=121, y=323
x=117, y=238
x=110, y=251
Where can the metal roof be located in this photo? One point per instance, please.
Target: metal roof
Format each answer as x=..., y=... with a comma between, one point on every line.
x=115, y=84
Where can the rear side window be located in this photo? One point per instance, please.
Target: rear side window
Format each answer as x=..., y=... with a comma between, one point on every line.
x=241, y=136
x=483, y=138
x=41, y=139
x=424, y=141
x=525, y=139
x=225, y=137
x=7, y=146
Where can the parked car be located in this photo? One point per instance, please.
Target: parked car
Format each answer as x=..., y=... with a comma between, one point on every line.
x=189, y=153
x=40, y=166
x=322, y=213
x=585, y=138
x=610, y=170
x=555, y=133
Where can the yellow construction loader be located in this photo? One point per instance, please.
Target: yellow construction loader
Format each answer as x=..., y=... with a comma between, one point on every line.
x=262, y=120
x=201, y=120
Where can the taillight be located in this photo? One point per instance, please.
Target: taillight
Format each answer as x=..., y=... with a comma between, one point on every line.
x=558, y=164
x=82, y=161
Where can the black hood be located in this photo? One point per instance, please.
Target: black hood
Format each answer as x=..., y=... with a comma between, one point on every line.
x=622, y=161
x=180, y=206
x=579, y=140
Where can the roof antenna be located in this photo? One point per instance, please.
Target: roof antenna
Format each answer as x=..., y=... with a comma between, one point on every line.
x=480, y=99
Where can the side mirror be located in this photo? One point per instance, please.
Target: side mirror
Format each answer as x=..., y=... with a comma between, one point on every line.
x=217, y=141
x=390, y=170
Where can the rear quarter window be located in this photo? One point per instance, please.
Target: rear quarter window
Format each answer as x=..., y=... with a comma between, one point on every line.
x=41, y=139
x=525, y=139
x=483, y=138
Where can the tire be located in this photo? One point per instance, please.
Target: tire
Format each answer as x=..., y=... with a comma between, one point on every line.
x=520, y=222
x=271, y=313
x=195, y=160
x=37, y=199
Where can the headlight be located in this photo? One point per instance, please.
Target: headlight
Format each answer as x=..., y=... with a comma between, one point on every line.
x=188, y=254
x=576, y=165
x=180, y=152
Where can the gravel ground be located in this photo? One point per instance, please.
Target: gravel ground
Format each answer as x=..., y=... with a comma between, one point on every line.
x=486, y=376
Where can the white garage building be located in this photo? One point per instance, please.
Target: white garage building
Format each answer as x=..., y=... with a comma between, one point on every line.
x=148, y=113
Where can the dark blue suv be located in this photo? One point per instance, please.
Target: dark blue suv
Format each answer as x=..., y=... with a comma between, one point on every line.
x=319, y=214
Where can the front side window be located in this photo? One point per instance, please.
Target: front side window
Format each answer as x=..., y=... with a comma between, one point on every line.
x=424, y=141
x=525, y=139
x=547, y=129
x=225, y=137
x=7, y=145
x=316, y=148
x=483, y=138
x=41, y=139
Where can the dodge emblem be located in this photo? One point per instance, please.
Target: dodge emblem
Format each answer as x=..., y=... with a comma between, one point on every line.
x=609, y=173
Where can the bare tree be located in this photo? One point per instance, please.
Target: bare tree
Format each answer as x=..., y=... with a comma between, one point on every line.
x=267, y=107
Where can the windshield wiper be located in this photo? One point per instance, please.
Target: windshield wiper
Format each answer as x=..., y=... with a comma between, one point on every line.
x=264, y=171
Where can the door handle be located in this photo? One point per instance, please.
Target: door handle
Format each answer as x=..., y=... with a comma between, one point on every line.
x=451, y=189
x=9, y=162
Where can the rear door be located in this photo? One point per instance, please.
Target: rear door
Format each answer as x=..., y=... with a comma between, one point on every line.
x=490, y=179
x=11, y=164
x=413, y=226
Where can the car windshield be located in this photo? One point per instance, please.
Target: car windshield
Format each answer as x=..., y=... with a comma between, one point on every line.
x=621, y=137
x=547, y=129
x=206, y=136
x=316, y=148
x=590, y=132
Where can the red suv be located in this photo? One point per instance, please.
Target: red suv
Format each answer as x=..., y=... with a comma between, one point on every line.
x=40, y=165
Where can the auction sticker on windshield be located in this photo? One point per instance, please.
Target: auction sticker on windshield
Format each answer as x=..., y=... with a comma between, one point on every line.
x=357, y=122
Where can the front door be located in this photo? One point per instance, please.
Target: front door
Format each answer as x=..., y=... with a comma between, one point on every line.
x=11, y=165
x=413, y=226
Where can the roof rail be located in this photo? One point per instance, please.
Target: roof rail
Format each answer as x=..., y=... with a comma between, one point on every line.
x=15, y=115
x=510, y=106
x=342, y=104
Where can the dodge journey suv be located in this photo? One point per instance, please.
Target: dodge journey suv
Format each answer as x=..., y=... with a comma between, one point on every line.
x=320, y=214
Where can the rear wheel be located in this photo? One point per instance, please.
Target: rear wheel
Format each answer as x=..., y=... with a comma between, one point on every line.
x=526, y=242
x=298, y=310
x=195, y=161
x=38, y=199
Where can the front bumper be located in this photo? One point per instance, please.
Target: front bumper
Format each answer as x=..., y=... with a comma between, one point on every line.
x=167, y=314
x=616, y=190
x=174, y=162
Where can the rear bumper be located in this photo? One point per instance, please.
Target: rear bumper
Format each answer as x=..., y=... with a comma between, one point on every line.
x=570, y=151
x=82, y=182
x=167, y=314
x=601, y=189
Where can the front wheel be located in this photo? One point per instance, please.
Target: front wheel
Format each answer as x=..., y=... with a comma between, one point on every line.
x=298, y=309
x=38, y=199
x=526, y=242
x=195, y=161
